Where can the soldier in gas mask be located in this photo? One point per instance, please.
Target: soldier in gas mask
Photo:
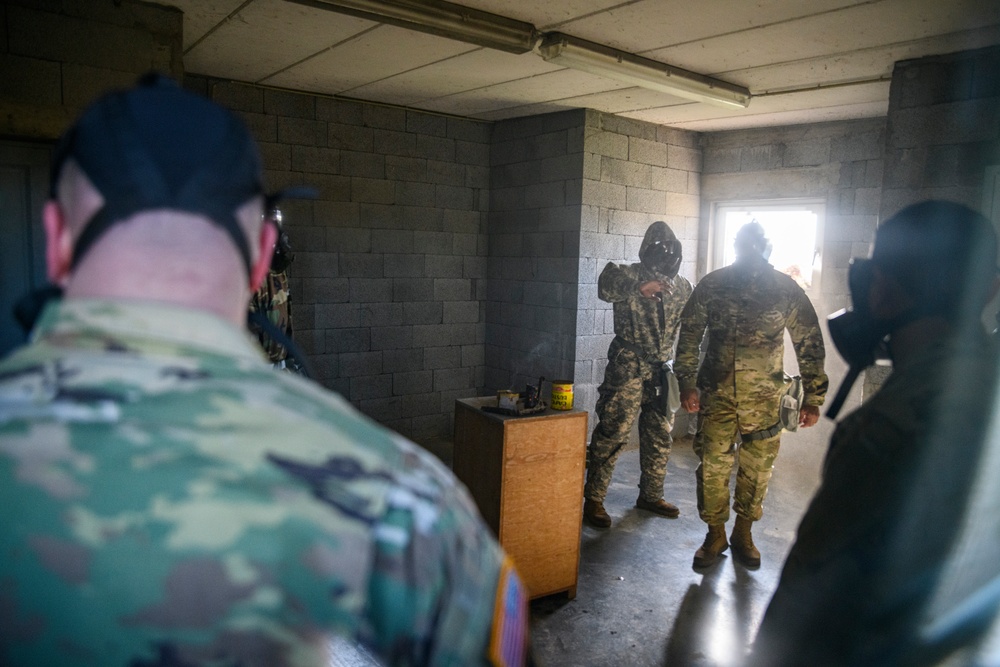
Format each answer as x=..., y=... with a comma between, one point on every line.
x=745, y=309
x=647, y=297
x=273, y=300
x=864, y=582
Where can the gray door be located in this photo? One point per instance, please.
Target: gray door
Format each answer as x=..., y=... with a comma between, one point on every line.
x=23, y=189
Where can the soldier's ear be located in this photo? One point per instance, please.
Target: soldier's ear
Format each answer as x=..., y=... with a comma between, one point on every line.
x=58, y=243
x=265, y=249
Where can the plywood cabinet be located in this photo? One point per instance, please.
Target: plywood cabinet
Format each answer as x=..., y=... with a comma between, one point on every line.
x=526, y=475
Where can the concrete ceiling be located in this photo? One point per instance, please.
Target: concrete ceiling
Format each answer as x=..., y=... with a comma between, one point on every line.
x=803, y=60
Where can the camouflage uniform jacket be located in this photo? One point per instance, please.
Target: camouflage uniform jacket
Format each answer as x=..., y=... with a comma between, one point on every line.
x=746, y=313
x=274, y=300
x=640, y=321
x=167, y=498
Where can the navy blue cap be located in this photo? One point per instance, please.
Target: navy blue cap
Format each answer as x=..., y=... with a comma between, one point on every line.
x=158, y=146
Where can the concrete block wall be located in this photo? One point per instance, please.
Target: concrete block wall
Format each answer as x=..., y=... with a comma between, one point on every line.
x=388, y=283
x=839, y=163
x=408, y=296
x=534, y=240
x=634, y=173
x=943, y=129
x=56, y=57
x=943, y=132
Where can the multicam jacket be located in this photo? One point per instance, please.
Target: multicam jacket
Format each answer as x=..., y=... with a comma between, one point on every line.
x=274, y=300
x=167, y=498
x=745, y=311
x=640, y=321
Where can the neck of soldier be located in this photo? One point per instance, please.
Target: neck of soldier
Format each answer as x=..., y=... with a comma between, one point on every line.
x=218, y=286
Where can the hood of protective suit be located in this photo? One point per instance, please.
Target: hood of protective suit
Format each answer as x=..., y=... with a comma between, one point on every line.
x=658, y=231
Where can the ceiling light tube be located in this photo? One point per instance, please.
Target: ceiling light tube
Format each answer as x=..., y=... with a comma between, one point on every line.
x=440, y=18
x=567, y=51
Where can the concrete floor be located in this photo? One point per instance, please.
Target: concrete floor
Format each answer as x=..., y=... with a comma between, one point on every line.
x=639, y=601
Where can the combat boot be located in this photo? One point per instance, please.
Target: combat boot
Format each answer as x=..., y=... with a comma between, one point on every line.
x=715, y=544
x=661, y=507
x=595, y=515
x=742, y=541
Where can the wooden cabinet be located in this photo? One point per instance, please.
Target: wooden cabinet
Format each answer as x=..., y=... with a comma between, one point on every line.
x=526, y=476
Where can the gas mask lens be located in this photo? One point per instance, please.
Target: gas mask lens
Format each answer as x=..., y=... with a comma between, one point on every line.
x=663, y=258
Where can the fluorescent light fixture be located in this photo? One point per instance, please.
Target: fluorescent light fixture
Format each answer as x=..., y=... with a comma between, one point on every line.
x=444, y=19
x=580, y=54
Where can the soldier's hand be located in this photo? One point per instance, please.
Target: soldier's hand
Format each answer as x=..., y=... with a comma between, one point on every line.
x=691, y=400
x=652, y=289
x=808, y=416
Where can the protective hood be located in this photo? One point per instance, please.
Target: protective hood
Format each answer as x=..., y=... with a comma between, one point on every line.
x=657, y=232
x=660, y=251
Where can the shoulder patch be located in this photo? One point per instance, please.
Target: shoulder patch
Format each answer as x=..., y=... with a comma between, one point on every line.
x=509, y=638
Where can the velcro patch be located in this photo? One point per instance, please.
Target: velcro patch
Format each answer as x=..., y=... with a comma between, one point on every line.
x=509, y=639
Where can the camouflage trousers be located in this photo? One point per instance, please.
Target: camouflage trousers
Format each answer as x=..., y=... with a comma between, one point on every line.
x=719, y=423
x=628, y=390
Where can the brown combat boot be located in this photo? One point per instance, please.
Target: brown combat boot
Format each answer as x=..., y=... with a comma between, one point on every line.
x=661, y=507
x=715, y=544
x=594, y=514
x=742, y=541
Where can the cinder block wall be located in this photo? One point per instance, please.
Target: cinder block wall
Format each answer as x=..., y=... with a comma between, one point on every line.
x=56, y=57
x=943, y=133
x=534, y=240
x=634, y=173
x=943, y=128
x=388, y=282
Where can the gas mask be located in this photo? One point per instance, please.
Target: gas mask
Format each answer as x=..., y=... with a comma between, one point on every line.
x=283, y=255
x=855, y=333
x=858, y=337
x=663, y=258
x=751, y=243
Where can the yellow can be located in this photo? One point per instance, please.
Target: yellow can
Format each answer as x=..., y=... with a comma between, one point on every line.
x=562, y=395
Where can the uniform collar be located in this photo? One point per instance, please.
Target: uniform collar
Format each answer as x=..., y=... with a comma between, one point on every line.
x=143, y=325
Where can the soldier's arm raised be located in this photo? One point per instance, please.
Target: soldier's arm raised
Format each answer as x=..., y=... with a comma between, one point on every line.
x=616, y=283
x=807, y=339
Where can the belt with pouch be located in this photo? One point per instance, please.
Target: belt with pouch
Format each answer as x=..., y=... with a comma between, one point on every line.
x=668, y=391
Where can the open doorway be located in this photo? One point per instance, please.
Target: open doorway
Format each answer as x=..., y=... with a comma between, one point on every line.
x=794, y=227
